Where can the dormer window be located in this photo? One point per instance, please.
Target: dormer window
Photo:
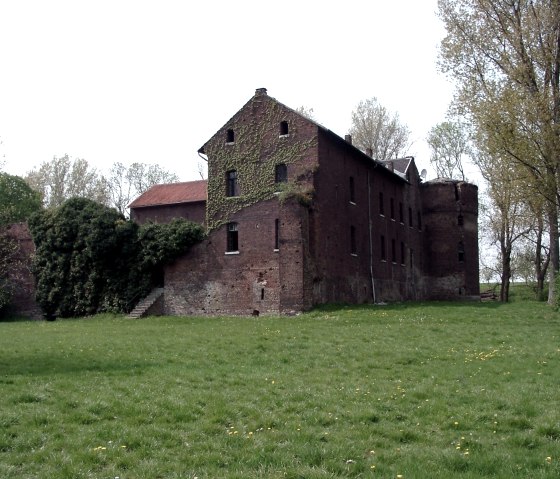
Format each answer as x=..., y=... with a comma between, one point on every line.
x=284, y=130
x=230, y=136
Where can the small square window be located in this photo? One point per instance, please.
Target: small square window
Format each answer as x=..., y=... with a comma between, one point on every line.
x=230, y=136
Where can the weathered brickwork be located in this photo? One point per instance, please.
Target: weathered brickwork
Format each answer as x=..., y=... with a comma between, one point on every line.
x=23, y=294
x=164, y=213
x=297, y=216
x=450, y=212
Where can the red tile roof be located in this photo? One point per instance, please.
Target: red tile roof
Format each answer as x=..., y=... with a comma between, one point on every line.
x=172, y=193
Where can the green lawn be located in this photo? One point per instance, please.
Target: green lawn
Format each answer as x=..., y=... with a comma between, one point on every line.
x=413, y=391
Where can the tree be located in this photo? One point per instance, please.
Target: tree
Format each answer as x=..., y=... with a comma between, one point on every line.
x=450, y=144
x=64, y=178
x=17, y=200
x=504, y=57
x=90, y=259
x=126, y=183
x=377, y=130
x=306, y=112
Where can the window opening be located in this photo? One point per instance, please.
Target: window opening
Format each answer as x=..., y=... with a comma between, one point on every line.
x=277, y=234
x=230, y=136
x=281, y=173
x=353, y=248
x=461, y=252
x=401, y=213
x=352, y=191
x=393, y=251
x=403, y=257
x=262, y=294
x=392, y=207
x=232, y=188
x=284, y=130
x=232, y=238
x=419, y=220
x=381, y=206
x=410, y=217
x=460, y=220
x=383, y=252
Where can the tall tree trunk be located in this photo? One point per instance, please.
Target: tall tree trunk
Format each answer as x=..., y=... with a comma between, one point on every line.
x=554, y=264
x=505, y=247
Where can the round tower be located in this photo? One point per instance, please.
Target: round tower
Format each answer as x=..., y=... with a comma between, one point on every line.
x=450, y=214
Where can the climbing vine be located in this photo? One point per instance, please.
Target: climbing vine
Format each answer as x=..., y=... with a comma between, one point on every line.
x=255, y=152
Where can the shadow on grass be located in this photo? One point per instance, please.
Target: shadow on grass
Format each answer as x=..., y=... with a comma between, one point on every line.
x=43, y=364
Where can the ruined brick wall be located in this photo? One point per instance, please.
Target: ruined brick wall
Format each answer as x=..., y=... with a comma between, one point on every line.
x=365, y=270
x=451, y=239
x=195, y=212
x=258, y=278
x=23, y=298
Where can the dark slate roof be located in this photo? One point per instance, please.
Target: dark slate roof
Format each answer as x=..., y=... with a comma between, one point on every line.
x=172, y=193
x=399, y=165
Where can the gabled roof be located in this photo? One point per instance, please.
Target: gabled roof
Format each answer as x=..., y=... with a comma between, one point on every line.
x=399, y=165
x=172, y=193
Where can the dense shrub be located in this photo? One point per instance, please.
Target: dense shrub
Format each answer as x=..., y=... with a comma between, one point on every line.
x=90, y=259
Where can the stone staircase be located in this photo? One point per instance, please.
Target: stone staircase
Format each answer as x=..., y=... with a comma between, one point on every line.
x=144, y=305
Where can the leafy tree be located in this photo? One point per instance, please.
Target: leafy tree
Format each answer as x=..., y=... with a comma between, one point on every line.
x=377, y=130
x=306, y=112
x=64, y=178
x=90, y=259
x=450, y=145
x=504, y=57
x=126, y=183
x=8, y=263
x=17, y=200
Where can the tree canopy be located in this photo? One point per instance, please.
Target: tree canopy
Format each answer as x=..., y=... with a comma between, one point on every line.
x=63, y=178
x=504, y=57
x=449, y=143
x=376, y=129
x=17, y=200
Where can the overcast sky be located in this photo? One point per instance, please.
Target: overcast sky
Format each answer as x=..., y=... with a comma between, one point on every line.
x=151, y=81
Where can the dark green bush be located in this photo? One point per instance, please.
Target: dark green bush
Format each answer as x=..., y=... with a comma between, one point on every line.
x=90, y=259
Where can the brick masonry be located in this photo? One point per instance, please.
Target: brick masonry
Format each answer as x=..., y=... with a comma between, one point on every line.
x=363, y=230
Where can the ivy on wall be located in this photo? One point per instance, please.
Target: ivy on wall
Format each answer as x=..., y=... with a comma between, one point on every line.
x=257, y=149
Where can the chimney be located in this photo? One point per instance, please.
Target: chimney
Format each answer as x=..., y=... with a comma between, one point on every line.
x=348, y=138
x=260, y=91
x=369, y=152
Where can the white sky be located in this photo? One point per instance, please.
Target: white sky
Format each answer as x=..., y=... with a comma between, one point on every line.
x=151, y=81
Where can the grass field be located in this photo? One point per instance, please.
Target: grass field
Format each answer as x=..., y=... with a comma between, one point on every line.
x=414, y=391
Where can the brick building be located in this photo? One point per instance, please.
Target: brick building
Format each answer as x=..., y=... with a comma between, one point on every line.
x=297, y=216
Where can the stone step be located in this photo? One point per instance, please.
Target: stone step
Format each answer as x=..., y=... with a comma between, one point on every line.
x=145, y=304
